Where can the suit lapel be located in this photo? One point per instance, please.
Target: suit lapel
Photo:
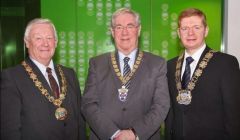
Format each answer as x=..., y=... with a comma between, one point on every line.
x=202, y=55
x=137, y=77
x=135, y=80
x=199, y=61
x=39, y=74
x=117, y=81
x=58, y=77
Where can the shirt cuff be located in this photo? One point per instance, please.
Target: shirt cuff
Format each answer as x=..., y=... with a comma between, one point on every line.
x=115, y=134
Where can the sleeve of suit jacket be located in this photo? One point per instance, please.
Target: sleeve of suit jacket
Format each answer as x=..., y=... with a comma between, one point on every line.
x=10, y=108
x=148, y=124
x=230, y=82
x=81, y=122
x=98, y=121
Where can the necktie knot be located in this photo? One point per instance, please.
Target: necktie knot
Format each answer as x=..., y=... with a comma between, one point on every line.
x=49, y=70
x=126, y=59
x=189, y=60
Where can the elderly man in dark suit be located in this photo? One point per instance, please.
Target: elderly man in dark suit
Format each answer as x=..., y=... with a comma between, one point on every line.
x=204, y=87
x=39, y=99
x=126, y=94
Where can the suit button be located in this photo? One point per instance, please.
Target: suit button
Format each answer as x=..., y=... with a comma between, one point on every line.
x=124, y=109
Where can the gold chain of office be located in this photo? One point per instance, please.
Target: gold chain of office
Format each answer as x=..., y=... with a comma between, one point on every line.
x=125, y=79
x=60, y=112
x=203, y=64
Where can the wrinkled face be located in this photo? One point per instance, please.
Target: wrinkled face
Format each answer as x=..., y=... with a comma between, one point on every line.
x=192, y=32
x=125, y=33
x=41, y=43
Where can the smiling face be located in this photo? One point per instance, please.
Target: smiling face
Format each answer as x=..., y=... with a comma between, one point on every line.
x=125, y=32
x=192, y=33
x=41, y=42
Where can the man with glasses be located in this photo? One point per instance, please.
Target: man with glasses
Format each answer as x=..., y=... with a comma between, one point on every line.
x=204, y=86
x=126, y=94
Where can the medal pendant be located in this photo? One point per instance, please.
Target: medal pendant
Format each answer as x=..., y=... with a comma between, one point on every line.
x=122, y=94
x=61, y=113
x=184, y=97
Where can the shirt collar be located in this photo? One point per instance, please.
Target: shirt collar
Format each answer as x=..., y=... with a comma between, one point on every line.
x=196, y=56
x=43, y=67
x=132, y=56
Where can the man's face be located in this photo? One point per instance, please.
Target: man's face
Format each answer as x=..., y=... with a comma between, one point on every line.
x=41, y=43
x=125, y=33
x=192, y=32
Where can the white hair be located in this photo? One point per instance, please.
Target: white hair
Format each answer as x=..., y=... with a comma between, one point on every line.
x=39, y=21
x=124, y=11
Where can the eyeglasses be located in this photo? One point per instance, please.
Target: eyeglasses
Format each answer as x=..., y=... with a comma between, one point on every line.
x=129, y=27
x=195, y=28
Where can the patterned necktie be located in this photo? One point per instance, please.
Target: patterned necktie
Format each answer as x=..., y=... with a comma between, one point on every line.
x=53, y=83
x=187, y=73
x=126, y=70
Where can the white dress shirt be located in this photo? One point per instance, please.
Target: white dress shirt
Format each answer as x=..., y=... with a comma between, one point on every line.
x=131, y=61
x=43, y=69
x=196, y=56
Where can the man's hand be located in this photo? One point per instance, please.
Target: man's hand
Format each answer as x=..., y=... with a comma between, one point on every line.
x=125, y=135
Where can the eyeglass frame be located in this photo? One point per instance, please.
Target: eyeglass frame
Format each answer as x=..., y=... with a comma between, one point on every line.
x=129, y=27
x=195, y=28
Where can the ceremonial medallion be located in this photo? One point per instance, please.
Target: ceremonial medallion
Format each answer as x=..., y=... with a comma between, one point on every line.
x=184, y=97
x=122, y=94
x=61, y=113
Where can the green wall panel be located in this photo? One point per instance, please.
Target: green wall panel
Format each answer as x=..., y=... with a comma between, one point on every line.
x=83, y=27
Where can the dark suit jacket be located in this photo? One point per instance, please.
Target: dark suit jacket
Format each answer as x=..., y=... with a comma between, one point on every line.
x=147, y=102
x=214, y=113
x=28, y=115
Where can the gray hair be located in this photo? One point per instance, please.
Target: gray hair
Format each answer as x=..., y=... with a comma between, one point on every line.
x=124, y=11
x=39, y=21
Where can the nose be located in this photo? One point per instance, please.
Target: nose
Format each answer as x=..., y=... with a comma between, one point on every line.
x=45, y=42
x=124, y=30
x=190, y=31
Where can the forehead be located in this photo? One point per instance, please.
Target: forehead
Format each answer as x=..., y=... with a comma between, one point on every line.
x=125, y=18
x=192, y=20
x=41, y=28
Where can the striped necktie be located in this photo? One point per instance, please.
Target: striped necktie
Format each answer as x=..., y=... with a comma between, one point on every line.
x=187, y=73
x=126, y=71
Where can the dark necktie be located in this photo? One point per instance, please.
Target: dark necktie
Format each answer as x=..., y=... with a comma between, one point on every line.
x=126, y=70
x=53, y=83
x=187, y=73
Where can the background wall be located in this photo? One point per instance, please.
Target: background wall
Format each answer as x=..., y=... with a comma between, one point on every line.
x=233, y=28
x=83, y=27
x=15, y=14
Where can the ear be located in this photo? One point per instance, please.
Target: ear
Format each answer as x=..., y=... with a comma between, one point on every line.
x=112, y=32
x=26, y=42
x=206, y=31
x=56, y=42
x=178, y=32
x=139, y=30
